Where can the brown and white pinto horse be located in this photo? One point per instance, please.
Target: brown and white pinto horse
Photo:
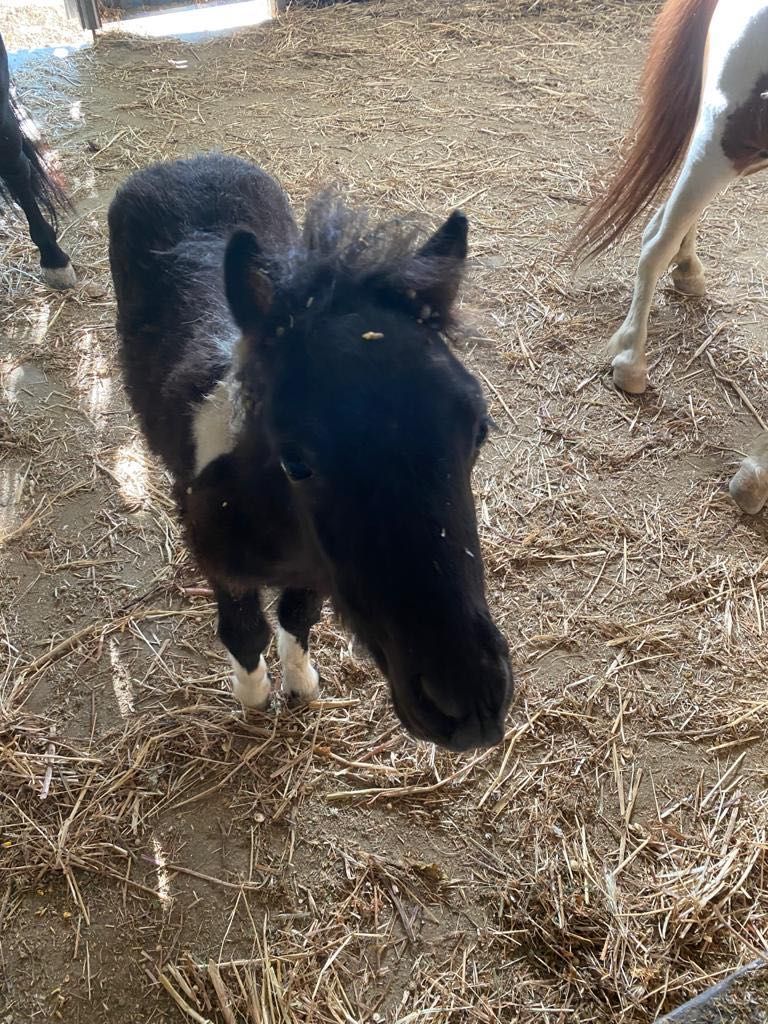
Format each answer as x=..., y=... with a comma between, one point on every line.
x=705, y=107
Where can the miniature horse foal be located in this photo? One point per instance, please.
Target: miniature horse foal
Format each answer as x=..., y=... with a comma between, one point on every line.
x=320, y=432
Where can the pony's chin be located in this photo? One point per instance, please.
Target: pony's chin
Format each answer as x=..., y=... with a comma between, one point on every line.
x=428, y=723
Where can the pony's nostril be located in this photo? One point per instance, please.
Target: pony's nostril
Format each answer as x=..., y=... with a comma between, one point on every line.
x=446, y=703
x=476, y=734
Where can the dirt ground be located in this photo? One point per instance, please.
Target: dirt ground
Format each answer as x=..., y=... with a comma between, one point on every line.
x=161, y=859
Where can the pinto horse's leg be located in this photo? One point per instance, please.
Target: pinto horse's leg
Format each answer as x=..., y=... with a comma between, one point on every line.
x=705, y=173
x=16, y=172
x=297, y=613
x=749, y=487
x=688, y=273
x=245, y=633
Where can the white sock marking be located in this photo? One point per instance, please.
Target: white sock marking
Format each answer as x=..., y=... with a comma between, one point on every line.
x=252, y=689
x=300, y=677
x=749, y=487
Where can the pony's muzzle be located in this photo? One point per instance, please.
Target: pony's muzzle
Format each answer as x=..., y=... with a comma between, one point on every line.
x=474, y=722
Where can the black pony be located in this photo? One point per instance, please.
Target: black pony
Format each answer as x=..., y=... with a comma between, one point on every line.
x=319, y=429
x=25, y=180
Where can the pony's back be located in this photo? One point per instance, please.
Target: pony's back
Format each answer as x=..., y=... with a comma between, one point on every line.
x=163, y=209
x=168, y=229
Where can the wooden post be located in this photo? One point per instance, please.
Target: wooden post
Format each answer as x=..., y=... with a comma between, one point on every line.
x=86, y=11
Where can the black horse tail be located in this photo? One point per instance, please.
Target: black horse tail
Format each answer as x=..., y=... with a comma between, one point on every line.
x=47, y=184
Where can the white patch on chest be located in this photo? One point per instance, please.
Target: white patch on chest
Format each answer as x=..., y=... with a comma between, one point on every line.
x=215, y=423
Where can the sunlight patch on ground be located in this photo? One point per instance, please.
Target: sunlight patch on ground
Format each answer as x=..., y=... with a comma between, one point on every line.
x=13, y=373
x=94, y=375
x=24, y=385
x=216, y=18
x=163, y=878
x=11, y=488
x=42, y=319
x=130, y=468
x=125, y=695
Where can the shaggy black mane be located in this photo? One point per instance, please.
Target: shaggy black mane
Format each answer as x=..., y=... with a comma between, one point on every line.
x=345, y=249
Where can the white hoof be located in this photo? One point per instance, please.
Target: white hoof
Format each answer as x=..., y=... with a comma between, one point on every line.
x=252, y=689
x=690, y=284
x=626, y=350
x=749, y=487
x=630, y=373
x=300, y=678
x=59, y=277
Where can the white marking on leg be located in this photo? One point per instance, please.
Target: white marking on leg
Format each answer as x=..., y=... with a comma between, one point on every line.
x=749, y=487
x=214, y=425
x=252, y=689
x=59, y=277
x=705, y=172
x=300, y=678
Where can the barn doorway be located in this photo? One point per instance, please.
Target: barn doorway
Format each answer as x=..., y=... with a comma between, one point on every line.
x=171, y=17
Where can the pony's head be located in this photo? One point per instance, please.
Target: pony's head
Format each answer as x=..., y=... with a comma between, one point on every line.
x=377, y=426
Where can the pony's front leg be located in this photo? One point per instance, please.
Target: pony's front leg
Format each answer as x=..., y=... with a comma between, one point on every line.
x=749, y=487
x=245, y=633
x=706, y=171
x=297, y=613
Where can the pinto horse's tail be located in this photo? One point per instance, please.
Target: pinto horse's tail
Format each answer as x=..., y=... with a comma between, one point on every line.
x=47, y=184
x=670, y=96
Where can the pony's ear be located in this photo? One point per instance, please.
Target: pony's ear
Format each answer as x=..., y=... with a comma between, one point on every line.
x=450, y=239
x=248, y=288
x=436, y=271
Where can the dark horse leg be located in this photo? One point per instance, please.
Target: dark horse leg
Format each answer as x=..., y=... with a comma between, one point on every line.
x=297, y=613
x=245, y=633
x=25, y=178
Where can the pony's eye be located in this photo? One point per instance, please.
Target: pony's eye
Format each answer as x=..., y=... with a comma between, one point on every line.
x=294, y=466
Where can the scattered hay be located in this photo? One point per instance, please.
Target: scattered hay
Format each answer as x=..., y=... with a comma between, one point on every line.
x=315, y=865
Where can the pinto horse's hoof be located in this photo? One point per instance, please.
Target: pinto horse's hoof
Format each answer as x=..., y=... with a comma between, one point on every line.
x=59, y=277
x=303, y=686
x=749, y=486
x=690, y=284
x=628, y=375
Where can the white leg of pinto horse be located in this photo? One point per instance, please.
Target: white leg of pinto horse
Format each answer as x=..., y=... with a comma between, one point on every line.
x=670, y=238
